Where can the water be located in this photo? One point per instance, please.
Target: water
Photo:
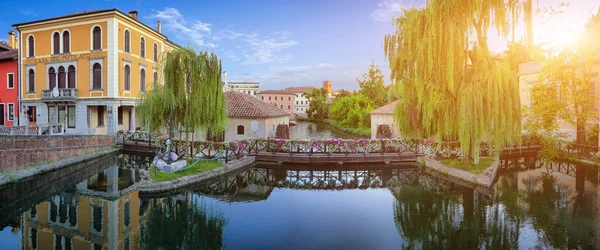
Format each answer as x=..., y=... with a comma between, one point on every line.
x=317, y=130
x=296, y=207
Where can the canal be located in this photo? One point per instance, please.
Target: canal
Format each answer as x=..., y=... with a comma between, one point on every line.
x=318, y=130
x=533, y=206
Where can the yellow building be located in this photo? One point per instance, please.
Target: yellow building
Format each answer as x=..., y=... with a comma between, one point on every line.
x=86, y=70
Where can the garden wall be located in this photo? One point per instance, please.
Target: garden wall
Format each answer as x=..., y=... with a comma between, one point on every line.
x=19, y=151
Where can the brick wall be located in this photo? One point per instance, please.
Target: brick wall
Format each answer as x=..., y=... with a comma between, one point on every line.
x=17, y=152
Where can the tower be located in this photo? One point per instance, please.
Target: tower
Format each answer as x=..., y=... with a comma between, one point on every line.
x=327, y=85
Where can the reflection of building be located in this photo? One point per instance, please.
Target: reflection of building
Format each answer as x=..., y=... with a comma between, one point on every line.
x=102, y=212
x=86, y=70
x=249, y=117
x=301, y=103
x=383, y=116
x=9, y=103
x=281, y=99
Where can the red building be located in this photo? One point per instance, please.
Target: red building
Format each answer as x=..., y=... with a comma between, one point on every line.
x=9, y=100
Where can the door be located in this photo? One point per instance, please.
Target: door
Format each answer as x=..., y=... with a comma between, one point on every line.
x=2, y=114
x=31, y=115
x=62, y=116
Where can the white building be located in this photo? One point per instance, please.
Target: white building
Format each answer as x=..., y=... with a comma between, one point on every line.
x=250, y=117
x=302, y=102
x=250, y=88
x=384, y=115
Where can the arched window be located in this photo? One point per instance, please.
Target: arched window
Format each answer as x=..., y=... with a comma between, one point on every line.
x=155, y=78
x=97, y=38
x=127, y=78
x=66, y=46
x=127, y=47
x=97, y=76
x=142, y=80
x=31, y=82
x=240, y=130
x=142, y=47
x=52, y=76
x=62, y=78
x=30, y=46
x=155, y=52
x=72, y=77
x=56, y=43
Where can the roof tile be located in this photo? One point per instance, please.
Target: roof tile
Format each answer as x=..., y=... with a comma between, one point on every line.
x=242, y=105
x=387, y=109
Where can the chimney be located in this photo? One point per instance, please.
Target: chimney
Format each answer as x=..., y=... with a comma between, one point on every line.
x=224, y=78
x=134, y=14
x=158, y=26
x=12, y=39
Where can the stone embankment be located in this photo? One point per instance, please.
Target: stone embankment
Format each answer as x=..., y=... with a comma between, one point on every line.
x=464, y=178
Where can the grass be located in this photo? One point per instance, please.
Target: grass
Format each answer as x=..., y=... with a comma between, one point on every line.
x=469, y=166
x=198, y=168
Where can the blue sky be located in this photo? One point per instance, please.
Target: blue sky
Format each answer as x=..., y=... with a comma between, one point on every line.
x=277, y=43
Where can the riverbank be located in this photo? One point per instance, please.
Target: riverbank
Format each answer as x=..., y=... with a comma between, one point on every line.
x=468, y=179
x=363, y=133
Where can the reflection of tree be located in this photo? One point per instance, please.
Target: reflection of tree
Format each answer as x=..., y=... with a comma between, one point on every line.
x=183, y=225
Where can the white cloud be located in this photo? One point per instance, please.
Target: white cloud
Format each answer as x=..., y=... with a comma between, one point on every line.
x=342, y=76
x=387, y=9
x=27, y=12
x=266, y=50
x=195, y=32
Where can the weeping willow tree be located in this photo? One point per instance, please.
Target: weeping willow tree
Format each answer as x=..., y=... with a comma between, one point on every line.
x=450, y=85
x=191, y=96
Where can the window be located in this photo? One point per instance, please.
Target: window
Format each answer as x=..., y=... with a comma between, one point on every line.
x=142, y=80
x=97, y=76
x=10, y=80
x=127, y=78
x=155, y=78
x=126, y=45
x=155, y=52
x=62, y=242
x=71, y=114
x=96, y=38
x=289, y=107
x=31, y=81
x=142, y=47
x=11, y=111
x=52, y=77
x=56, y=43
x=30, y=46
x=269, y=98
x=62, y=79
x=276, y=98
x=100, y=114
x=33, y=238
x=127, y=243
x=281, y=107
x=240, y=130
x=31, y=115
x=120, y=115
x=66, y=46
x=296, y=102
x=97, y=221
x=289, y=98
x=127, y=215
x=71, y=77
x=262, y=98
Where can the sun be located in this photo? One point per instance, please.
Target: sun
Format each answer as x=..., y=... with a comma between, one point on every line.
x=559, y=35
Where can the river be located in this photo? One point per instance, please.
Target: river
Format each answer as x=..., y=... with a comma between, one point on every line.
x=295, y=207
x=318, y=130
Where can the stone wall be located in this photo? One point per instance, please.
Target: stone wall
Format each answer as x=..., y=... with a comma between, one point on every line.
x=16, y=152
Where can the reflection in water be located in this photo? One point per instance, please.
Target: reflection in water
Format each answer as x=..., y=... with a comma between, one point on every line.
x=272, y=207
x=317, y=130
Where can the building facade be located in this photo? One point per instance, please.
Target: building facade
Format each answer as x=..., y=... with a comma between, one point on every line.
x=302, y=103
x=9, y=95
x=250, y=88
x=249, y=117
x=86, y=70
x=282, y=99
x=384, y=115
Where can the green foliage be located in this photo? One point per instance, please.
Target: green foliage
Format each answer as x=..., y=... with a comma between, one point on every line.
x=451, y=87
x=484, y=163
x=191, y=96
x=196, y=169
x=352, y=111
x=318, y=108
x=373, y=87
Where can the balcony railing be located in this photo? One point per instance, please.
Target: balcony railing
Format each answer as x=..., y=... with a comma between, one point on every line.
x=39, y=129
x=63, y=94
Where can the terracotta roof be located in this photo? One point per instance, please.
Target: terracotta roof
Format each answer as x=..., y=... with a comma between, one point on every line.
x=9, y=55
x=281, y=92
x=302, y=89
x=4, y=46
x=242, y=105
x=387, y=109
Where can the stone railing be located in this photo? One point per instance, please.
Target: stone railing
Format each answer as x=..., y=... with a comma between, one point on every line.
x=62, y=94
x=40, y=129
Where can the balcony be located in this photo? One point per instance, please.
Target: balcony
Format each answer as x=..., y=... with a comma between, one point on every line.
x=61, y=95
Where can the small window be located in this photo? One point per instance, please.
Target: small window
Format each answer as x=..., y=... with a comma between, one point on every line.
x=66, y=42
x=142, y=80
x=289, y=98
x=127, y=76
x=97, y=38
x=269, y=98
x=155, y=79
x=100, y=114
x=97, y=76
x=31, y=82
x=71, y=77
x=281, y=107
x=30, y=46
x=11, y=111
x=126, y=42
x=296, y=102
x=142, y=47
x=56, y=43
x=262, y=98
x=155, y=52
x=289, y=107
x=126, y=215
x=240, y=130
x=120, y=115
x=276, y=98
x=10, y=80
